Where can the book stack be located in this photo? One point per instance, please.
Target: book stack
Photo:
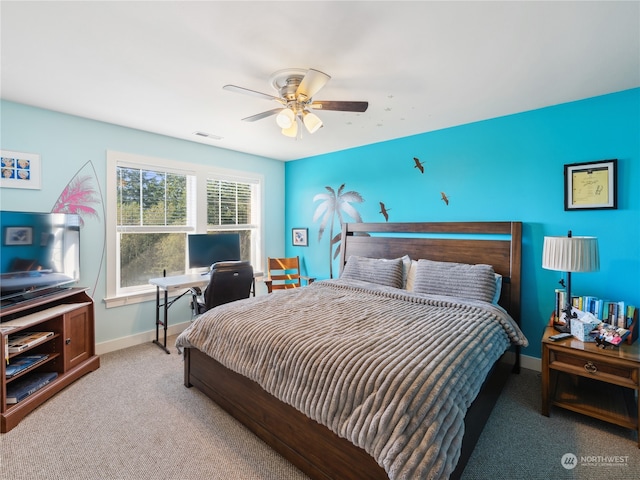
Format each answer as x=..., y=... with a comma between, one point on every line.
x=561, y=301
x=21, y=388
x=23, y=362
x=615, y=313
x=22, y=341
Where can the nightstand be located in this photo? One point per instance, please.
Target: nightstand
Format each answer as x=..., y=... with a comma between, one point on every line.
x=601, y=383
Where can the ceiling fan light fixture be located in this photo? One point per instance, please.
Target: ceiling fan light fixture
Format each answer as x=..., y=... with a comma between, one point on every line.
x=286, y=118
x=296, y=89
x=292, y=131
x=312, y=122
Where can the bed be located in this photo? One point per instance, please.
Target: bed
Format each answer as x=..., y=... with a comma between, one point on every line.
x=325, y=397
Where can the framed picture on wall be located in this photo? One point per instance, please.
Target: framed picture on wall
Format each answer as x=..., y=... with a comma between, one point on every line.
x=20, y=170
x=591, y=185
x=300, y=237
x=18, y=236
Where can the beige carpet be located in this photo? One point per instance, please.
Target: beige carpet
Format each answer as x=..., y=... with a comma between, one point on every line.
x=519, y=443
x=134, y=419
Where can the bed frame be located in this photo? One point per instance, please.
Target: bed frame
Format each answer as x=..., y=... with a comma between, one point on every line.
x=313, y=448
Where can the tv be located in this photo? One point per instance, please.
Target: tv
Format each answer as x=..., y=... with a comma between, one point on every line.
x=208, y=248
x=39, y=254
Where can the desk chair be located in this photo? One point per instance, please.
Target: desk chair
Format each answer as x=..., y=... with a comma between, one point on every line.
x=230, y=281
x=284, y=273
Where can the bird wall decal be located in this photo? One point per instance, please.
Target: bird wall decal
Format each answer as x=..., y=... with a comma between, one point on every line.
x=384, y=212
x=419, y=164
x=445, y=199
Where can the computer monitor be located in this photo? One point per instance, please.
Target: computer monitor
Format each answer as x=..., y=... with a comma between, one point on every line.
x=207, y=249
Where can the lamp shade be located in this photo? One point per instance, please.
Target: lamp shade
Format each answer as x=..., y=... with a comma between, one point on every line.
x=571, y=254
x=292, y=131
x=285, y=118
x=312, y=122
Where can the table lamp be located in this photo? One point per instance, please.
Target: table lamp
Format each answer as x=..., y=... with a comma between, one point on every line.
x=570, y=254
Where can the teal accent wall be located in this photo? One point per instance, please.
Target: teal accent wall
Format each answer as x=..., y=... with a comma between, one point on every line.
x=66, y=143
x=507, y=168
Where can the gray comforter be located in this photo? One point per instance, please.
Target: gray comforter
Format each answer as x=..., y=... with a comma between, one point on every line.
x=391, y=371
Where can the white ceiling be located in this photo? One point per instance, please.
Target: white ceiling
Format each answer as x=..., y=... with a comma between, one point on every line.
x=160, y=66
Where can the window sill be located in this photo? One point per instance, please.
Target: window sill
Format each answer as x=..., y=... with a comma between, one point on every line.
x=130, y=299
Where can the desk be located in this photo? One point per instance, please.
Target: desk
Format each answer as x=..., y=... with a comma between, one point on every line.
x=177, y=283
x=172, y=284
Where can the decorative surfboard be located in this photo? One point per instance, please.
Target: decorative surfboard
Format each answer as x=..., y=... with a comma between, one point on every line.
x=83, y=196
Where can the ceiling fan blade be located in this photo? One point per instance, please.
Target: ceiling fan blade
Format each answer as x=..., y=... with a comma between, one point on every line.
x=340, y=106
x=253, y=93
x=262, y=115
x=312, y=82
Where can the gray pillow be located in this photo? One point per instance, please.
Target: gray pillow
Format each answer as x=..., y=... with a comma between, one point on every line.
x=374, y=270
x=460, y=280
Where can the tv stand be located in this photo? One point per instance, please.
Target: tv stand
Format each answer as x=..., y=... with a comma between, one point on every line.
x=69, y=314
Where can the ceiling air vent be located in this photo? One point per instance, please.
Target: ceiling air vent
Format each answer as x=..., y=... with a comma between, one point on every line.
x=208, y=135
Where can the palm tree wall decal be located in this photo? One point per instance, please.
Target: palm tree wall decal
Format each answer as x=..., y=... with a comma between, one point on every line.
x=77, y=197
x=335, y=204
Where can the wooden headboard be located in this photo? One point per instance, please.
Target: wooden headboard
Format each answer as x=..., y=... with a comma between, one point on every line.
x=493, y=243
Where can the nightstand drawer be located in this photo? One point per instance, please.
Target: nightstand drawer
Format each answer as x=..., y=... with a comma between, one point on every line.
x=603, y=368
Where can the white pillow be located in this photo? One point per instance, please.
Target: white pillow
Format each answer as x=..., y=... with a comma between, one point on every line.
x=411, y=276
x=406, y=265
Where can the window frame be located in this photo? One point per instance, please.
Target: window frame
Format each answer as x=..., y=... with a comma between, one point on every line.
x=196, y=213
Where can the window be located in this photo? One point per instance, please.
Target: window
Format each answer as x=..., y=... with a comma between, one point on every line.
x=151, y=224
x=229, y=208
x=153, y=204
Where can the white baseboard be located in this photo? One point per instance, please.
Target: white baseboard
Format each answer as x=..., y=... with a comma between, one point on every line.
x=531, y=363
x=138, y=339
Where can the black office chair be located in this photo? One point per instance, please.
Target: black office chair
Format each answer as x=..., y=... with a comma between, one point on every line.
x=230, y=281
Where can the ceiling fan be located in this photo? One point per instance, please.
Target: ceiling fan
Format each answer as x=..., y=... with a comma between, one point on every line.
x=296, y=89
